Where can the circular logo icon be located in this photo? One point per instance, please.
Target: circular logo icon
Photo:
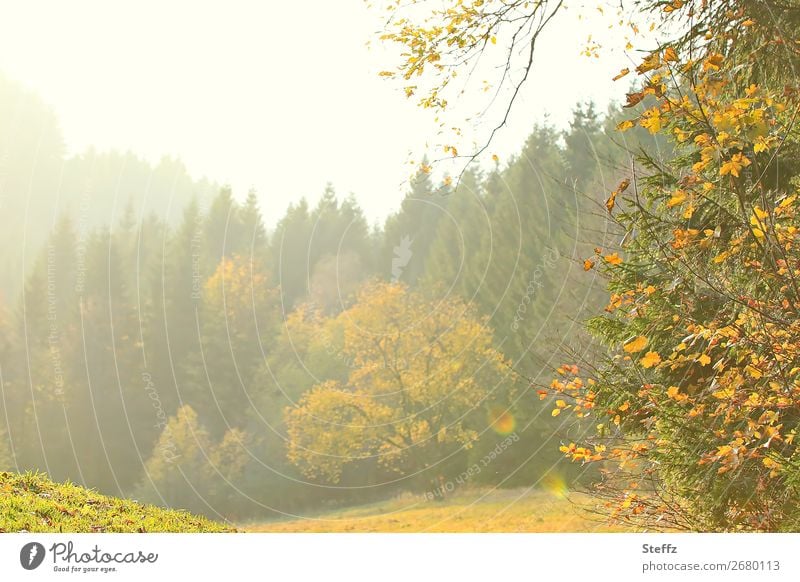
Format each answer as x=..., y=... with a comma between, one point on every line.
x=31, y=555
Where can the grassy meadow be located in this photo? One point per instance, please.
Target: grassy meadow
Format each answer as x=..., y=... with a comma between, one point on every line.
x=481, y=510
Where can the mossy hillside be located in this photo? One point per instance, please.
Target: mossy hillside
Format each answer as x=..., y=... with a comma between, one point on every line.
x=31, y=502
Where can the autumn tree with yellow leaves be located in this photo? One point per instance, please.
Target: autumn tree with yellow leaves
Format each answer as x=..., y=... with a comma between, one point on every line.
x=422, y=376
x=187, y=468
x=697, y=400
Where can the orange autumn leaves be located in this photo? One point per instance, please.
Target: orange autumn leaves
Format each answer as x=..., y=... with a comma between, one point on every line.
x=611, y=202
x=650, y=359
x=632, y=347
x=574, y=389
x=746, y=123
x=699, y=384
x=701, y=325
x=734, y=165
x=612, y=259
x=638, y=344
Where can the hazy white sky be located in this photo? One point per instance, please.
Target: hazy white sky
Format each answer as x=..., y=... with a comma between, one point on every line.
x=280, y=96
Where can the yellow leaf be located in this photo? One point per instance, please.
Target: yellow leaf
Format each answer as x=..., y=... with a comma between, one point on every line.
x=753, y=372
x=650, y=62
x=679, y=197
x=636, y=344
x=713, y=62
x=681, y=135
x=556, y=412
x=621, y=74
x=650, y=359
x=625, y=125
x=721, y=257
x=652, y=120
x=723, y=394
x=704, y=360
x=734, y=165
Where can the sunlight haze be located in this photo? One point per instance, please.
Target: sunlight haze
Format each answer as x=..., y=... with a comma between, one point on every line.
x=257, y=94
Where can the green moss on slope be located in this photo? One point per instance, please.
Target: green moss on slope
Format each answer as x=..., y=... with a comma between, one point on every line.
x=33, y=503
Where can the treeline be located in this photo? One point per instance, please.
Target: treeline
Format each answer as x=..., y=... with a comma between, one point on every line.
x=191, y=364
x=40, y=181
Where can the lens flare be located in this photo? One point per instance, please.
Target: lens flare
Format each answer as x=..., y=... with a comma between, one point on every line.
x=502, y=421
x=554, y=484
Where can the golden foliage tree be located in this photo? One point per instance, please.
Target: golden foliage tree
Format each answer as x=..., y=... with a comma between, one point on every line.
x=420, y=371
x=187, y=469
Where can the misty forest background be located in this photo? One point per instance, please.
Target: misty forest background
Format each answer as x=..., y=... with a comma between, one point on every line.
x=155, y=333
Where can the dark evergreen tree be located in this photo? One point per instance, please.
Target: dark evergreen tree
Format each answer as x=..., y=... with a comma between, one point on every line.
x=409, y=233
x=314, y=244
x=171, y=336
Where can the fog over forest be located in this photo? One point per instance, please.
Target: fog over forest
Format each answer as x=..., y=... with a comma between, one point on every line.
x=159, y=342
